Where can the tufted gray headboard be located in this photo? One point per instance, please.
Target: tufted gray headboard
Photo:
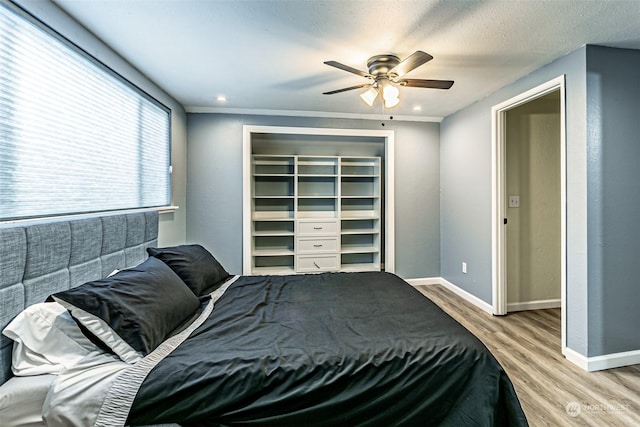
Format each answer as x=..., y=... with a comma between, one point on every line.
x=44, y=257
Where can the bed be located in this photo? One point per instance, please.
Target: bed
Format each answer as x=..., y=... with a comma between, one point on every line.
x=141, y=335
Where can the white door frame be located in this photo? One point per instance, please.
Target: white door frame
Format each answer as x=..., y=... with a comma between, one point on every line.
x=498, y=196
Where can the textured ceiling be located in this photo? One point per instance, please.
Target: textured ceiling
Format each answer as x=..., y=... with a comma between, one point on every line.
x=268, y=54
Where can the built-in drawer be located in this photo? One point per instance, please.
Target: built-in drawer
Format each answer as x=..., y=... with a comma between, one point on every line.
x=317, y=227
x=317, y=263
x=316, y=245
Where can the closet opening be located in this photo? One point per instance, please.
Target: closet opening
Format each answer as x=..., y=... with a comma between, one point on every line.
x=317, y=200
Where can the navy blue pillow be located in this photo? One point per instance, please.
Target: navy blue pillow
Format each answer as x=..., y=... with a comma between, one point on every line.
x=195, y=266
x=133, y=311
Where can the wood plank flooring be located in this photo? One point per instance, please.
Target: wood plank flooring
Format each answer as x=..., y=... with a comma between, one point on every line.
x=552, y=391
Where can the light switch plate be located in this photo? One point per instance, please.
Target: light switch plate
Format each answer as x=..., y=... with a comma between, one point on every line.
x=514, y=201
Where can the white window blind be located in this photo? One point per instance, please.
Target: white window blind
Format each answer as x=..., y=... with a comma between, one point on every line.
x=74, y=136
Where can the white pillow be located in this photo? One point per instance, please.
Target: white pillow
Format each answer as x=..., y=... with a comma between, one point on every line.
x=21, y=400
x=46, y=340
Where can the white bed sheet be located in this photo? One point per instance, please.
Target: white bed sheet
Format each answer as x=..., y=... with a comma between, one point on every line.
x=21, y=400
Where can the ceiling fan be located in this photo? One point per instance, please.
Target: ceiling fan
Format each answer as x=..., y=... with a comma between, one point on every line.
x=386, y=74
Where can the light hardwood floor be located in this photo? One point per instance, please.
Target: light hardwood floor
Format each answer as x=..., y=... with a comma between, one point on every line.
x=527, y=345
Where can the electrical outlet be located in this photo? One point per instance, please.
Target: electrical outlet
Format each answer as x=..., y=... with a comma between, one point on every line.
x=464, y=267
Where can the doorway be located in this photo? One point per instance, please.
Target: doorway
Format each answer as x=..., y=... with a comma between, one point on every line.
x=532, y=185
x=529, y=201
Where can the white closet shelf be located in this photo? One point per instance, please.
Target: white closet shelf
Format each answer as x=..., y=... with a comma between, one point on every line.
x=273, y=233
x=315, y=192
x=359, y=249
x=272, y=252
x=272, y=215
x=363, y=231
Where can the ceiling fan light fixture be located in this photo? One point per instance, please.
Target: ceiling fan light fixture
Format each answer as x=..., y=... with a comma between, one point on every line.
x=390, y=94
x=391, y=103
x=370, y=95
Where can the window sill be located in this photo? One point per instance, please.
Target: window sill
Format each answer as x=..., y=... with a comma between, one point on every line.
x=167, y=209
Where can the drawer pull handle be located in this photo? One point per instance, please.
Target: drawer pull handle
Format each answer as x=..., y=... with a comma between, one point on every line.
x=316, y=264
x=317, y=246
x=317, y=228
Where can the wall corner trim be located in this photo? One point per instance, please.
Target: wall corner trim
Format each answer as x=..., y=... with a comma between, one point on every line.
x=453, y=288
x=576, y=358
x=606, y=361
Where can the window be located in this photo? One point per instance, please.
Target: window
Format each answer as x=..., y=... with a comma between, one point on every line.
x=74, y=136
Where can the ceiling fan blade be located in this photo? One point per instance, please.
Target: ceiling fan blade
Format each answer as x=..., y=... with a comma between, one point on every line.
x=431, y=84
x=346, y=89
x=349, y=69
x=411, y=62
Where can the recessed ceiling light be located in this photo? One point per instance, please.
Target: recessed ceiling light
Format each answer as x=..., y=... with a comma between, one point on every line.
x=221, y=98
x=417, y=108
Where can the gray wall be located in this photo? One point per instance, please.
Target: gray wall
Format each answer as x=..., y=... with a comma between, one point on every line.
x=603, y=203
x=214, y=191
x=613, y=93
x=465, y=164
x=465, y=201
x=172, y=225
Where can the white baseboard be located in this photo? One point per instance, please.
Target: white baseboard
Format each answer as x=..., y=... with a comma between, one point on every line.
x=534, y=305
x=424, y=281
x=453, y=288
x=576, y=358
x=607, y=361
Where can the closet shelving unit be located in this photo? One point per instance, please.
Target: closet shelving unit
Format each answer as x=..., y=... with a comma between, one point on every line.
x=308, y=213
x=273, y=226
x=360, y=206
x=315, y=213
